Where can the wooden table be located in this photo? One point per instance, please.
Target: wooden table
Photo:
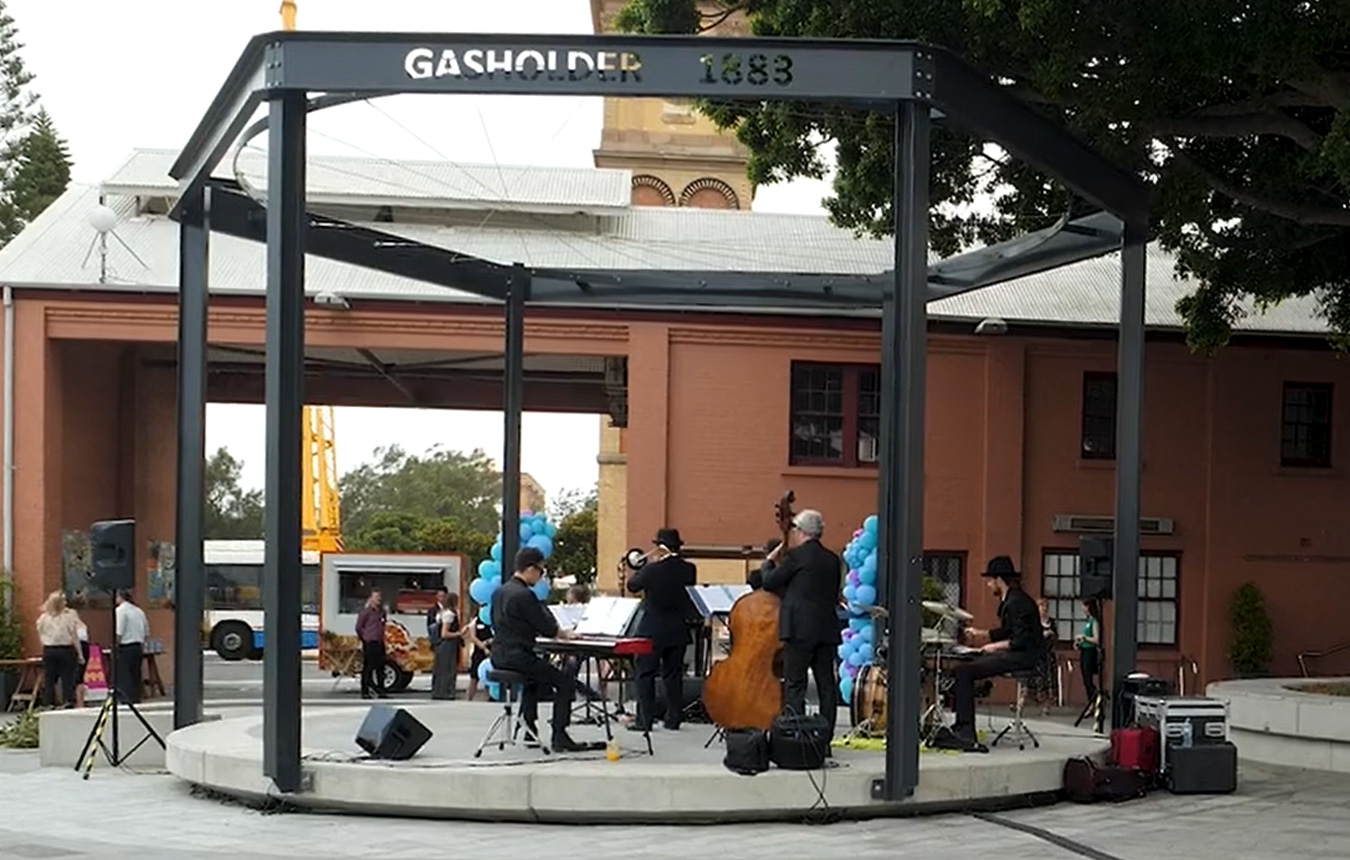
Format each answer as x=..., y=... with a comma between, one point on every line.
x=29, y=689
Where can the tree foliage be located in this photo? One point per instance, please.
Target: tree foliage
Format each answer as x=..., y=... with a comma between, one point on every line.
x=414, y=533
x=1237, y=114
x=440, y=484
x=232, y=513
x=576, y=513
x=34, y=161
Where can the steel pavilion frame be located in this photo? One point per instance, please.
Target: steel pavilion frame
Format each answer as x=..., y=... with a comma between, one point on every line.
x=920, y=84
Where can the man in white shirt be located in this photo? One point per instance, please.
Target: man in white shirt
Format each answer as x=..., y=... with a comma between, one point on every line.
x=132, y=629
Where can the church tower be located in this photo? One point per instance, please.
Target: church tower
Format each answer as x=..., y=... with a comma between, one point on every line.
x=678, y=157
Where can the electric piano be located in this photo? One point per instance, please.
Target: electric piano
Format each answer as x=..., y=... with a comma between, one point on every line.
x=621, y=652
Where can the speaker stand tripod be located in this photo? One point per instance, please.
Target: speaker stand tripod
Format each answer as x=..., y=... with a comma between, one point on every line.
x=107, y=715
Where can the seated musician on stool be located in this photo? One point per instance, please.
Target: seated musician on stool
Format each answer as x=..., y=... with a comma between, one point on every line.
x=807, y=579
x=1014, y=646
x=666, y=610
x=518, y=618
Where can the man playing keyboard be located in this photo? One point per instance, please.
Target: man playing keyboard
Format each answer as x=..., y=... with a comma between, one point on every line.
x=518, y=619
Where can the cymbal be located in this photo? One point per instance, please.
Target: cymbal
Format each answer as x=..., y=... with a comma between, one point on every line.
x=947, y=611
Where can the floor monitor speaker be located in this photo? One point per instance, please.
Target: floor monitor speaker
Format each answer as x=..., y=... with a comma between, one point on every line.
x=391, y=733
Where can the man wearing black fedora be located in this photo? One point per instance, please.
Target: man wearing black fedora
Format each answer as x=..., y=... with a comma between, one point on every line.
x=1013, y=646
x=666, y=612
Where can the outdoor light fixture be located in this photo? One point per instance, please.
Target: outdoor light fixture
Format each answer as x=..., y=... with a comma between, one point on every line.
x=992, y=325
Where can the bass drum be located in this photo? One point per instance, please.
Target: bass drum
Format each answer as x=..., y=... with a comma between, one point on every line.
x=867, y=711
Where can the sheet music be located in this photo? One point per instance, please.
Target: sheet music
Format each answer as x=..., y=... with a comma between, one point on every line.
x=606, y=616
x=567, y=615
x=716, y=599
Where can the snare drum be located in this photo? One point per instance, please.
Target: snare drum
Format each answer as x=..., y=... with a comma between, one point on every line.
x=868, y=708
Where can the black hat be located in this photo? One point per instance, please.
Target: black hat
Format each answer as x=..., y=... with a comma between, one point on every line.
x=668, y=538
x=1001, y=566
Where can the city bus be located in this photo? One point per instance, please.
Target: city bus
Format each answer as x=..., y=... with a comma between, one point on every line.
x=233, y=624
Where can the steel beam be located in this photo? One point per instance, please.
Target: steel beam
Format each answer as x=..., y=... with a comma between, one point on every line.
x=517, y=291
x=1129, y=459
x=284, y=385
x=904, y=367
x=189, y=593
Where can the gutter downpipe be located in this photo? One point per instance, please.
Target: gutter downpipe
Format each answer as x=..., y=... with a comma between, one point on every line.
x=7, y=479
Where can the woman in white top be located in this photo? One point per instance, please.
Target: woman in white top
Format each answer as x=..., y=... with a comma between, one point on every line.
x=62, y=660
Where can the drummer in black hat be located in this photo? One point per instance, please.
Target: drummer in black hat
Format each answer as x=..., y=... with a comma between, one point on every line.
x=666, y=612
x=1013, y=646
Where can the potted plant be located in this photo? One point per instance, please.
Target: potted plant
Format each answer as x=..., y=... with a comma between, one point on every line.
x=11, y=638
x=1250, y=633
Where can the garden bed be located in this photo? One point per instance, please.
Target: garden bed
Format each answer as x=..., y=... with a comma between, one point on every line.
x=1336, y=688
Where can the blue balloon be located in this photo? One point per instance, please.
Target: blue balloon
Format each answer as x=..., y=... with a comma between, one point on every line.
x=494, y=691
x=867, y=595
x=850, y=593
x=480, y=591
x=869, y=564
x=539, y=527
x=870, y=525
x=485, y=615
x=868, y=576
x=844, y=649
x=859, y=623
x=525, y=532
x=846, y=689
x=551, y=530
x=487, y=568
x=868, y=541
x=855, y=659
x=865, y=651
x=541, y=543
x=542, y=588
x=868, y=633
x=483, y=669
x=497, y=549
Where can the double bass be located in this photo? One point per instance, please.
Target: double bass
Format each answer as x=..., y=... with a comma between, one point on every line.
x=744, y=690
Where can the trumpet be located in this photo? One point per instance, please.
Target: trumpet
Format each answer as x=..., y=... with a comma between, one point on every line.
x=635, y=559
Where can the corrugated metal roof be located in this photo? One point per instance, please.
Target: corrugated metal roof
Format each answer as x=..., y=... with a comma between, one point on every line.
x=56, y=251
x=428, y=182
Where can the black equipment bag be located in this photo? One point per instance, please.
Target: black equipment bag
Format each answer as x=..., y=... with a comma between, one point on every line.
x=747, y=751
x=1087, y=782
x=800, y=743
x=1202, y=769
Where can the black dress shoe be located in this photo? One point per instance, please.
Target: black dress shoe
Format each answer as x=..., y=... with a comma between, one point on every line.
x=562, y=742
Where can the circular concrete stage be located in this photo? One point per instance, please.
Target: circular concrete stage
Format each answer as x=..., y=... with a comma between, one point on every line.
x=682, y=782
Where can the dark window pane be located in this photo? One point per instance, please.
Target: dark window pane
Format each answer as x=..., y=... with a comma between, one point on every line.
x=1099, y=416
x=1305, y=427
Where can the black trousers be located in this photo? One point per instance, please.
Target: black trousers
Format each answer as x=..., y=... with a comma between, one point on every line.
x=128, y=678
x=668, y=662
x=965, y=674
x=445, y=669
x=544, y=678
x=1090, y=664
x=818, y=657
x=59, y=666
x=372, y=668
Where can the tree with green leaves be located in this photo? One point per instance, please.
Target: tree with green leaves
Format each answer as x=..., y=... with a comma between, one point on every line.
x=440, y=484
x=18, y=104
x=576, y=514
x=232, y=512
x=41, y=170
x=414, y=533
x=1238, y=115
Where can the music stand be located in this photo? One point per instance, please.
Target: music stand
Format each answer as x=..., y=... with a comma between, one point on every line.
x=108, y=714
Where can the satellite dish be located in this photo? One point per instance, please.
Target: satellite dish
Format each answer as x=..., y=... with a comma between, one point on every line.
x=102, y=219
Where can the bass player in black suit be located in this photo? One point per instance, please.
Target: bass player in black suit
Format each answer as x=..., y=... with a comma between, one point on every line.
x=666, y=613
x=807, y=578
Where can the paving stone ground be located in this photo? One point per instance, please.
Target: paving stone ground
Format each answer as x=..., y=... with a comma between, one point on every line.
x=51, y=813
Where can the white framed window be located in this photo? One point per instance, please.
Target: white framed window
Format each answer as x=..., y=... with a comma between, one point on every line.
x=1159, y=594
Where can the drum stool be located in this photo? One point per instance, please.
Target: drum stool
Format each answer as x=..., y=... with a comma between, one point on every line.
x=507, y=729
x=1017, y=729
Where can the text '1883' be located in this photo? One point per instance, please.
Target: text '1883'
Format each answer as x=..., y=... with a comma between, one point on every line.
x=754, y=69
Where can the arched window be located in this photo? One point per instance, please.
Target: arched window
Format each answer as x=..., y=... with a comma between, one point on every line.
x=709, y=193
x=650, y=191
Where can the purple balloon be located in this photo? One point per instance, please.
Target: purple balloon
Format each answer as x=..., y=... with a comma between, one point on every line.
x=850, y=670
x=853, y=578
x=858, y=533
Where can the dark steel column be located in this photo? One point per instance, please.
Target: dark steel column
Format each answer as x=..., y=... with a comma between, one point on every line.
x=904, y=367
x=517, y=291
x=189, y=594
x=1129, y=433
x=285, y=380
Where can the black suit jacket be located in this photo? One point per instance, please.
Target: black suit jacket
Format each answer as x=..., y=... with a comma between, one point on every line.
x=666, y=605
x=807, y=580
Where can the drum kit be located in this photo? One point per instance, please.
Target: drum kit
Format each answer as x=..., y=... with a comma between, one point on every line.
x=941, y=645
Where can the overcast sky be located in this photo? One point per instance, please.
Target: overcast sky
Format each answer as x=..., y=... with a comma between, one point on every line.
x=120, y=75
